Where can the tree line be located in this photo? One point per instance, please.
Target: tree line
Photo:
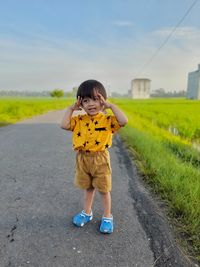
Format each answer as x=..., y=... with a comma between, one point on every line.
x=58, y=93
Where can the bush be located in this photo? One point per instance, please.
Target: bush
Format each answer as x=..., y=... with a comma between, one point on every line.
x=57, y=93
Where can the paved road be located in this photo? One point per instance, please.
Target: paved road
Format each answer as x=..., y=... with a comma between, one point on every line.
x=38, y=199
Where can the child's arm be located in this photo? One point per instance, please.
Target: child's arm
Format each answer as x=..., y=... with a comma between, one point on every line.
x=65, y=124
x=120, y=116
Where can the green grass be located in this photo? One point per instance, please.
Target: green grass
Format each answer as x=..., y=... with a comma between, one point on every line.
x=162, y=133
x=169, y=162
x=174, y=180
x=180, y=115
x=15, y=109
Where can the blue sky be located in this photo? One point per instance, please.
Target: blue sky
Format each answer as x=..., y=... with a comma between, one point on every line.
x=50, y=44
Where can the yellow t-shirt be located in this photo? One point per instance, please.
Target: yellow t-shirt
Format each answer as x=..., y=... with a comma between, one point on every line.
x=93, y=133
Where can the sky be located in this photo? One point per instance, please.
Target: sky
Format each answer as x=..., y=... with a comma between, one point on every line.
x=48, y=44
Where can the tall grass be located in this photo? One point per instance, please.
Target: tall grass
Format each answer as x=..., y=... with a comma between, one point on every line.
x=168, y=160
x=173, y=179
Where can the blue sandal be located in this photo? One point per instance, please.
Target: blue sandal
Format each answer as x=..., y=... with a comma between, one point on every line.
x=82, y=218
x=106, y=226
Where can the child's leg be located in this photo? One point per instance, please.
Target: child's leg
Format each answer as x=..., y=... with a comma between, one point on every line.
x=106, y=226
x=106, y=199
x=88, y=200
x=85, y=215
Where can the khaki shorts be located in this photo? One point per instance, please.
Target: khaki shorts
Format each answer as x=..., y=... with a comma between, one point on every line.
x=93, y=170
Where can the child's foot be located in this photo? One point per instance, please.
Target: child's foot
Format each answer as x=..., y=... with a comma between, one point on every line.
x=106, y=226
x=82, y=218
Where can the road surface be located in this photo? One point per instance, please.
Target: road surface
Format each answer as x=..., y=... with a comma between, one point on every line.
x=38, y=200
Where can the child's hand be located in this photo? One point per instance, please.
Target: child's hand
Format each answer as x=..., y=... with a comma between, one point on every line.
x=77, y=104
x=103, y=102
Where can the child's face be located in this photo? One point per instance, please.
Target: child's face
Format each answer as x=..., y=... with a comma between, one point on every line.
x=92, y=106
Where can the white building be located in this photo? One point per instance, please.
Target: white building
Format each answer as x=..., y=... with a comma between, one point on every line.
x=193, y=87
x=140, y=88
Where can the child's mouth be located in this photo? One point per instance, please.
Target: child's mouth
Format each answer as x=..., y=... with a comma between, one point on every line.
x=92, y=109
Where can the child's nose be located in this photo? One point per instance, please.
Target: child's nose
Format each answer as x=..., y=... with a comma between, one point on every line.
x=91, y=101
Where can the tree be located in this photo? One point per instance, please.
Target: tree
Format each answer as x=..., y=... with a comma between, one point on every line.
x=57, y=93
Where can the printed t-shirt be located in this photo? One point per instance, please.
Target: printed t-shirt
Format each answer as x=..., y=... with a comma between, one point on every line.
x=93, y=133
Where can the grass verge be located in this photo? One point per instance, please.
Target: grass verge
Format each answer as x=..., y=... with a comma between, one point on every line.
x=174, y=180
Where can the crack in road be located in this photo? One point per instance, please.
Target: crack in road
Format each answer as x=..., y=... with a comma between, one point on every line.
x=12, y=231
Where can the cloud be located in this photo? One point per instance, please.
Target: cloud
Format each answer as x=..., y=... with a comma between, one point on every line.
x=45, y=63
x=179, y=33
x=40, y=66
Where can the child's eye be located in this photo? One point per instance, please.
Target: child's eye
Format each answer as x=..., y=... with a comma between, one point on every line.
x=85, y=100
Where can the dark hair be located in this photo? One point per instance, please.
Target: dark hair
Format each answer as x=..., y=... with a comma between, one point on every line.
x=86, y=89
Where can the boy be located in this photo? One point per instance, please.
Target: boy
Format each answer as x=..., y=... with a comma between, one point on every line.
x=92, y=135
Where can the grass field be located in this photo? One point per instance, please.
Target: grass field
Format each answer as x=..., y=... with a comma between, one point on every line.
x=15, y=109
x=165, y=137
